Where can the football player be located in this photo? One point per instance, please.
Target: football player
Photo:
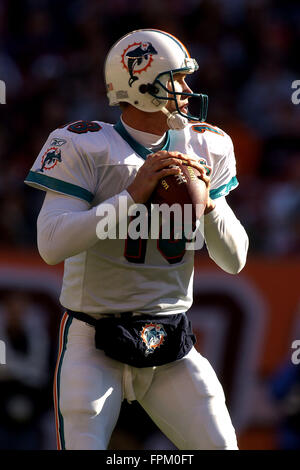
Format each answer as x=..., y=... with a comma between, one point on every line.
x=125, y=333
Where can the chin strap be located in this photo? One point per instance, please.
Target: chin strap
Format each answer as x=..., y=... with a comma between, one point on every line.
x=175, y=120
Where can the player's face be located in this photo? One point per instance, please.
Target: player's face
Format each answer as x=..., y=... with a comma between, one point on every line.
x=180, y=86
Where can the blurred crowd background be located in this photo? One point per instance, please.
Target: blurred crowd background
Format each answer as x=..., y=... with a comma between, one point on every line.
x=51, y=59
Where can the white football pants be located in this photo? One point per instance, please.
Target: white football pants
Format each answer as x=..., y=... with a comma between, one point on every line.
x=184, y=398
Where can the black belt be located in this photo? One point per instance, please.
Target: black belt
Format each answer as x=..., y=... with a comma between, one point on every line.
x=93, y=321
x=141, y=340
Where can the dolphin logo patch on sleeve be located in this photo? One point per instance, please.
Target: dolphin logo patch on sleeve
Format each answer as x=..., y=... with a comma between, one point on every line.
x=50, y=159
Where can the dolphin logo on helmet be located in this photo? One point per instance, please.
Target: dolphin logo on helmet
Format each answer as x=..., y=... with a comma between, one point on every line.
x=139, y=56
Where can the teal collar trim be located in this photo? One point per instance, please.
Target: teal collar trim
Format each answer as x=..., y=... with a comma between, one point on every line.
x=138, y=148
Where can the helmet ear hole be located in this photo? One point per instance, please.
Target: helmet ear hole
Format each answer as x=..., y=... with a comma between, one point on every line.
x=143, y=88
x=154, y=90
x=148, y=88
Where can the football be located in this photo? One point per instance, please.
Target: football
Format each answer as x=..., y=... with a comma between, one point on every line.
x=184, y=188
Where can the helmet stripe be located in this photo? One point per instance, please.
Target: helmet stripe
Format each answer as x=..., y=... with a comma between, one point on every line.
x=182, y=46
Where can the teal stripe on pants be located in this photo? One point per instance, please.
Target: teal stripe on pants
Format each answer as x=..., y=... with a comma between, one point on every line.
x=60, y=417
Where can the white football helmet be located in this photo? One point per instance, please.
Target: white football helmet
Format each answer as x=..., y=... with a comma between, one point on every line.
x=138, y=67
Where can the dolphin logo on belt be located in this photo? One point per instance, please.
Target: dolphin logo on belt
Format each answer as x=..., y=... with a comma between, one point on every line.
x=153, y=336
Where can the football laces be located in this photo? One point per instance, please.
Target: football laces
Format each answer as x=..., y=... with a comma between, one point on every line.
x=180, y=178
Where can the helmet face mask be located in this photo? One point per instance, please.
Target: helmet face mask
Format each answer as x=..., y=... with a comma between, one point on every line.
x=172, y=94
x=139, y=67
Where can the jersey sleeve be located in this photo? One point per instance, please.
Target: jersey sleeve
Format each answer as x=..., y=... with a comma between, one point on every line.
x=65, y=165
x=223, y=179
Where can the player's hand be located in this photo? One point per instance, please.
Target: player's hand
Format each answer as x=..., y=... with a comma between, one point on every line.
x=192, y=161
x=156, y=166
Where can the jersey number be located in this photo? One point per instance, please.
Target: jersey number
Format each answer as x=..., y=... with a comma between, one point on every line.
x=206, y=127
x=173, y=250
x=82, y=127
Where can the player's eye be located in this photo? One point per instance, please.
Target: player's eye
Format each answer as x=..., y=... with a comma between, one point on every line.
x=179, y=78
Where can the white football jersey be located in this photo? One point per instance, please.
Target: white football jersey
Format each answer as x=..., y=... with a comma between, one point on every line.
x=94, y=161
